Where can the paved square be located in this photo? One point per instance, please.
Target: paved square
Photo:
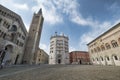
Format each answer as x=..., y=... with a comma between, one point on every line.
x=63, y=72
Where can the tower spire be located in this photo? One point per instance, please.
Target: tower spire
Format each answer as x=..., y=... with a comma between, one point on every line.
x=40, y=11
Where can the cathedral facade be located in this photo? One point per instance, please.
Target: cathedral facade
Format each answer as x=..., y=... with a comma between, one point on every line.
x=105, y=49
x=13, y=35
x=59, y=49
x=17, y=46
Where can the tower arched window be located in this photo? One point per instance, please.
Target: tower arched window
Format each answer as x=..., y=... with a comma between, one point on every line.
x=107, y=46
x=114, y=43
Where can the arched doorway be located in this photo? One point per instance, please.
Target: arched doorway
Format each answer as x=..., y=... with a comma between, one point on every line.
x=59, y=61
x=80, y=62
x=6, y=58
x=59, y=56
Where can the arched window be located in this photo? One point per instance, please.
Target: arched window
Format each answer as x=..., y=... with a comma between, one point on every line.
x=98, y=49
x=0, y=20
x=101, y=58
x=93, y=59
x=114, y=43
x=108, y=58
x=115, y=57
x=107, y=46
x=102, y=48
x=91, y=51
x=95, y=50
x=119, y=40
x=97, y=59
x=13, y=28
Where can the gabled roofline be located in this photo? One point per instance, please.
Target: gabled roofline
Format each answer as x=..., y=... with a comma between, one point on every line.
x=17, y=16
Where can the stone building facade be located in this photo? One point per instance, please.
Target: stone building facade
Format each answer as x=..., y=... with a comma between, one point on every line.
x=33, y=38
x=105, y=49
x=42, y=57
x=59, y=49
x=13, y=35
x=79, y=57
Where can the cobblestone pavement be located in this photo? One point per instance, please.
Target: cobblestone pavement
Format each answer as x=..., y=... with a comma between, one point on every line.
x=62, y=72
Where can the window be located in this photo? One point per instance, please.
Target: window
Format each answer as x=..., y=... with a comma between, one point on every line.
x=114, y=43
x=4, y=35
x=108, y=58
x=23, y=37
x=91, y=51
x=101, y=58
x=0, y=20
x=98, y=49
x=95, y=50
x=97, y=59
x=1, y=34
x=93, y=59
x=8, y=26
x=107, y=46
x=102, y=48
x=119, y=40
x=115, y=57
x=17, y=42
x=13, y=28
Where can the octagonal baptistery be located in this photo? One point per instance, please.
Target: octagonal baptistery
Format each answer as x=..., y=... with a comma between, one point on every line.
x=59, y=49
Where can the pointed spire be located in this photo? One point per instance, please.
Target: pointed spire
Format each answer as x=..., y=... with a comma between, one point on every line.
x=40, y=11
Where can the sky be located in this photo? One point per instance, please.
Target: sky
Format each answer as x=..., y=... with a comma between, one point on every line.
x=81, y=20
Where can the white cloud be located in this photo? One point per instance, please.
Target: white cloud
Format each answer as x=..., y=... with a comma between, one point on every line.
x=94, y=33
x=49, y=11
x=44, y=47
x=14, y=6
x=71, y=49
x=18, y=8
x=21, y=6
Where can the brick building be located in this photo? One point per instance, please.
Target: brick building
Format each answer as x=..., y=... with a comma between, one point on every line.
x=79, y=57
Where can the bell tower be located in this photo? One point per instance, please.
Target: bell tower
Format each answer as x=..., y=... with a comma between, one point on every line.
x=33, y=40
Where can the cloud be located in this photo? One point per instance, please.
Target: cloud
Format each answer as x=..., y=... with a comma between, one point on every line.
x=21, y=6
x=49, y=11
x=44, y=47
x=94, y=33
x=13, y=5
x=71, y=49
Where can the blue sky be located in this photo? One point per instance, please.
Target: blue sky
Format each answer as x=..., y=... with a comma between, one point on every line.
x=81, y=20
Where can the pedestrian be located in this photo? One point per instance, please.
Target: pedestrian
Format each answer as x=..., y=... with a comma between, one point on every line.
x=2, y=65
